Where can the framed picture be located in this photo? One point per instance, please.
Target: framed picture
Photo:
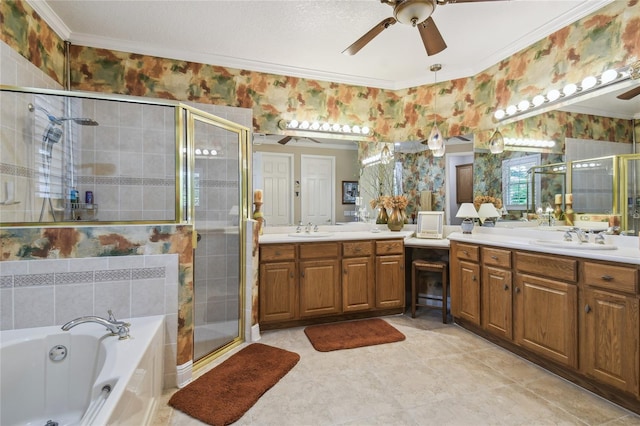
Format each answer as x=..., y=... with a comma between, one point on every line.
x=349, y=191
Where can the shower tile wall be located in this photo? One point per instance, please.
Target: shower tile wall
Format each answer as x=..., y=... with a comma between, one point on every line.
x=129, y=161
x=37, y=293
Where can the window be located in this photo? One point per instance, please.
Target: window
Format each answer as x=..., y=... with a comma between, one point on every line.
x=515, y=180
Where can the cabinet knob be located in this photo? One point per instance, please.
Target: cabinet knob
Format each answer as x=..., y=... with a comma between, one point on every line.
x=357, y=249
x=607, y=278
x=506, y=287
x=345, y=271
x=494, y=257
x=517, y=289
x=587, y=308
x=466, y=253
x=302, y=274
x=278, y=253
x=473, y=278
x=291, y=275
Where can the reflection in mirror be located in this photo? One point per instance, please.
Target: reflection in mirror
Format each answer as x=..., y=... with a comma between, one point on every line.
x=281, y=170
x=580, y=131
x=70, y=158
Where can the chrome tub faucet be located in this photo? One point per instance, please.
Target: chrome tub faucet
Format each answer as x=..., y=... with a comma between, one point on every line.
x=117, y=328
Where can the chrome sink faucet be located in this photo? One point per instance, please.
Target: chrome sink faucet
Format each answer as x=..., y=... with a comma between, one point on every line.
x=307, y=228
x=117, y=328
x=582, y=236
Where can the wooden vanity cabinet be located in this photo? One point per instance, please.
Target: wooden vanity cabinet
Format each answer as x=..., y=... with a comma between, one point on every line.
x=497, y=306
x=358, y=279
x=546, y=307
x=278, y=290
x=389, y=274
x=303, y=283
x=609, y=319
x=319, y=281
x=465, y=282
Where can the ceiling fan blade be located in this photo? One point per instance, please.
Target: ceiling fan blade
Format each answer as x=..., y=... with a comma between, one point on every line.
x=431, y=37
x=370, y=35
x=630, y=94
x=284, y=140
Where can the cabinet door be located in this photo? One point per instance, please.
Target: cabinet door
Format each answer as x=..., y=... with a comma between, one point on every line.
x=390, y=281
x=609, y=349
x=469, y=291
x=497, y=302
x=546, y=318
x=357, y=284
x=319, y=288
x=277, y=291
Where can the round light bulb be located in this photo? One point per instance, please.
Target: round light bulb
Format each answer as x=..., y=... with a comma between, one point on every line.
x=588, y=83
x=355, y=129
x=198, y=151
x=512, y=109
x=205, y=151
x=304, y=125
x=365, y=130
x=293, y=124
x=553, y=95
x=499, y=114
x=346, y=128
x=608, y=76
x=315, y=125
x=326, y=127
x=570, y=89
x=214, y=152
x=335, y=127
x=537, y=100
x=523, y=105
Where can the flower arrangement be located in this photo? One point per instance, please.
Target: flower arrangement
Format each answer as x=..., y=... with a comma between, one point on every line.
x=481, y=199
x=394, y=202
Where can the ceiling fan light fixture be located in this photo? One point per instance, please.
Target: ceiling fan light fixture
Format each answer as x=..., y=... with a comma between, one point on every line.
x=413, y=12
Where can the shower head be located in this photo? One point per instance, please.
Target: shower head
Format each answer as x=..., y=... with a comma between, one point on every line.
x=58, y=120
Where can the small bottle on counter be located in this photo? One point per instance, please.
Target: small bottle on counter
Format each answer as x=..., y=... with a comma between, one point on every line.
x=73, y=198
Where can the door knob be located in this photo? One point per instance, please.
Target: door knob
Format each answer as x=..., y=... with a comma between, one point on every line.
x=517, y=289
x=506, y=287
x=587, y=308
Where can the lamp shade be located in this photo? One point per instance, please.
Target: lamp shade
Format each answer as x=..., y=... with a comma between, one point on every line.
x=487, y=210
x=467, y=210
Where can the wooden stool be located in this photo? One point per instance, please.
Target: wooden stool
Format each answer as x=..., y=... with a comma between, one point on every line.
x=418, y=266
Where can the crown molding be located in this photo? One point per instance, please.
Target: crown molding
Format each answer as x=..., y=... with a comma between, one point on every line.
x=53, y=20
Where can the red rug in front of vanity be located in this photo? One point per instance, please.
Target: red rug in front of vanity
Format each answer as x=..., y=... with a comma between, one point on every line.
x=222, y=395
x=352, y=334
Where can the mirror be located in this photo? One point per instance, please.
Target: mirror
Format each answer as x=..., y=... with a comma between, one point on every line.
x=283, y=169
x=67, y=157
x=596, y=126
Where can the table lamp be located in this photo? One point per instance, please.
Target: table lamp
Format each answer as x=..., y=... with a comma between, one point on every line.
x=488, y=214
x=468, y=212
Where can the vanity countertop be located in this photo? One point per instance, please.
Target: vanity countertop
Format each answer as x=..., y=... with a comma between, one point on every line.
x=333, y=233
x=626, y=247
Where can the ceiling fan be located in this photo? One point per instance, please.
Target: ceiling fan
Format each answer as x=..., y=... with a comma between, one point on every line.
x=416, y=13
x=286, y=139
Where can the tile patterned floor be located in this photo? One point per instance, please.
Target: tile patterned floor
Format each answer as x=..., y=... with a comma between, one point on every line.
x=440, y=375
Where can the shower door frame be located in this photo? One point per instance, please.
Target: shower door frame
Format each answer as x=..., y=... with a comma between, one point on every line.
x=191, y=115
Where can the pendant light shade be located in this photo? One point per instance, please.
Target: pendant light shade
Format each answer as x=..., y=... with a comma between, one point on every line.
x=440, y=151
x=435, y=140
x=496, y=143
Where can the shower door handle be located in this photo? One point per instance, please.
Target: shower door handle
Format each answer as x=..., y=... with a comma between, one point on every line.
x=198, y=237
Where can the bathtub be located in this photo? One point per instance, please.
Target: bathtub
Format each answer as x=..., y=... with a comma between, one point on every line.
x=81, y=377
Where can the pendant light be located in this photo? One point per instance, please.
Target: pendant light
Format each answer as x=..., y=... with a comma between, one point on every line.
x=496, y=143
x=435, y=141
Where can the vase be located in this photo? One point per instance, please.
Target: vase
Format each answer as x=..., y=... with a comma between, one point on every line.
x=396, y=220
x=382, y=216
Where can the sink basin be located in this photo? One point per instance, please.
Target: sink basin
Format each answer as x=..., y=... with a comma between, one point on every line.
x=573, y=245
x=311, y=234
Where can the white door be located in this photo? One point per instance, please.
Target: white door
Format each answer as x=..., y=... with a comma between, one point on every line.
x=317, y=195
x=277, y=172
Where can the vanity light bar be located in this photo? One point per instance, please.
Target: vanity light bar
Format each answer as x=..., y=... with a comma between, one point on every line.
x=534, y=143
x=569, y=91
x=315, y=126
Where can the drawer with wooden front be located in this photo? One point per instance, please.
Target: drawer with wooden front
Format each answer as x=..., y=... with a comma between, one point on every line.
x=319, y=250
x=617, y=278
x=467, y=252
x=357, y=248
x=271, y=252
x=389, y=247
x=496, y=257
x=547, y=265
